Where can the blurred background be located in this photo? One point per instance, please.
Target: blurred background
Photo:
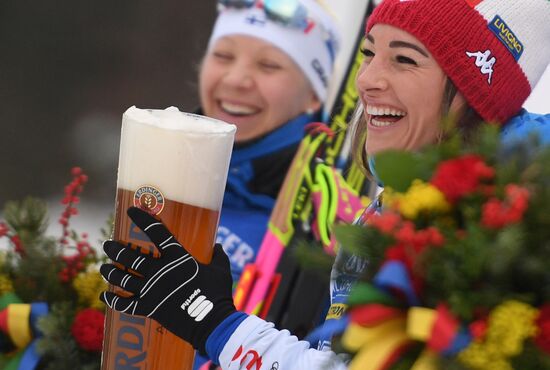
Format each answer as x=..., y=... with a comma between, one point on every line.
x=69, y=69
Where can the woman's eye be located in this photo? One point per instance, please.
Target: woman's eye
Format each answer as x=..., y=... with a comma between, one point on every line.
x=405, y=60
x=270, y=66
x=222, y=56
x=367, y=52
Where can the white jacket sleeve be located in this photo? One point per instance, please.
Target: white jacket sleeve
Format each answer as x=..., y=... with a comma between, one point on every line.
x=257, y=345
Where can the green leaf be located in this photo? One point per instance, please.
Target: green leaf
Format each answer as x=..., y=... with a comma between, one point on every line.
x=363, y=241
x=397, y=169
x=311, y=257
x=353, y=238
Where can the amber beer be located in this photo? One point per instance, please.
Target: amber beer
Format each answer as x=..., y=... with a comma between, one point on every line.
x=175, y=165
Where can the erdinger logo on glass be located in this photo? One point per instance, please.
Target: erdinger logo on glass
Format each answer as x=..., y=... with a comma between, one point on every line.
x=506, y=36
x=149, y=198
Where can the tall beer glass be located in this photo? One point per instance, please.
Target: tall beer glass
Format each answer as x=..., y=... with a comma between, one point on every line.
x=174, y=165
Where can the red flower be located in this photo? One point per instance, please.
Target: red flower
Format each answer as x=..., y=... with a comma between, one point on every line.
x=87, y=329
x=76, y=171
x=3, y=229
x=408, y=257
x=411, y=243
x=18, y=246
x=436, y=239
x=493, y=214
x=385, y=222
x=397, y=253
x=72, y=190
x=406, y=234
x=478, y=328
x=518, y=198
x=461, y=176
x=543, y=322
x=497, y=214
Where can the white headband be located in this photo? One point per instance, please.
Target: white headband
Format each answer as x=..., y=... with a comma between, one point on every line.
x=313, y=50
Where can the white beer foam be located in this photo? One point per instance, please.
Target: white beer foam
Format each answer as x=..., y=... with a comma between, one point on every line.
x=185, y=156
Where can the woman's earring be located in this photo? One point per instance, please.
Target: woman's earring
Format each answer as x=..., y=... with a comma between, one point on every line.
x=310, y=111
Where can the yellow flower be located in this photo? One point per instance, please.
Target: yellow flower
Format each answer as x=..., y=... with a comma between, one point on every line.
x=509, y=325
x=5, y=284
x=420, y=198
x=89, y=285
x=483, y=356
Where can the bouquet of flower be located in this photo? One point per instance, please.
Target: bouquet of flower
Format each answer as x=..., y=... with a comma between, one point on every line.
x=50, y=313
x=459, y=260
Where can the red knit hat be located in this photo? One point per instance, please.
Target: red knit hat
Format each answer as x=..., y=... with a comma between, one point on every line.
x=494, y=51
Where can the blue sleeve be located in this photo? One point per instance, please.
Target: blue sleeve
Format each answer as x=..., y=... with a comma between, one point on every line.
x=219, y=337
x=525, y=124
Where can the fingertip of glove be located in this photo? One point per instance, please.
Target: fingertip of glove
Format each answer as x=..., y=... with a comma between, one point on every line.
x=219, y=253
x=141, y=217
x=136, y=214
x=106, y=244
x=105, y=268
x=218, y=248
x=110, y=244
x=133, y=211
x=102, y=297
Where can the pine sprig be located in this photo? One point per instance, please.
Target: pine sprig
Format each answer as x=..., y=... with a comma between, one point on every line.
x=353, y=239
x=58, y=346
x=28, y=218
x=34, y=273
x=41, y=268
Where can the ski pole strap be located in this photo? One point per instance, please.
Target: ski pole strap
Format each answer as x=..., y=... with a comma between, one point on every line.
x=293, y=197
x=334, y=201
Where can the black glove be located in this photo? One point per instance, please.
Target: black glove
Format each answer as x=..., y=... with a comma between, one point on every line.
x=185, y=296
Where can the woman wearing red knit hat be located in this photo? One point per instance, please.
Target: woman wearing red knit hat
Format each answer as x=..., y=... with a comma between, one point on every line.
x=477, y=60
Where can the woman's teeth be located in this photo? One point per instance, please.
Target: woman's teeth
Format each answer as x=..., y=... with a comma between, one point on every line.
x=237, y=109
x=384, y=116
x=384, y=111
x=377, y=123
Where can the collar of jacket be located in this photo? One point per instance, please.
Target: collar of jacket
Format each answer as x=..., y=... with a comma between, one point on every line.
x=284, y=136
x=276, y=148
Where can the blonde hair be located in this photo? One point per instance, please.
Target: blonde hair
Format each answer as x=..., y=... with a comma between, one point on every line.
x=358, y=127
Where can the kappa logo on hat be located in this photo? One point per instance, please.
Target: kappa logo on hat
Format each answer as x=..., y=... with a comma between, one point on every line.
x=483, y=62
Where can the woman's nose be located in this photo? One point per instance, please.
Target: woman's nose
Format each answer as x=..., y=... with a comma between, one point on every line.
x=373, y=75
x=240, y=76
